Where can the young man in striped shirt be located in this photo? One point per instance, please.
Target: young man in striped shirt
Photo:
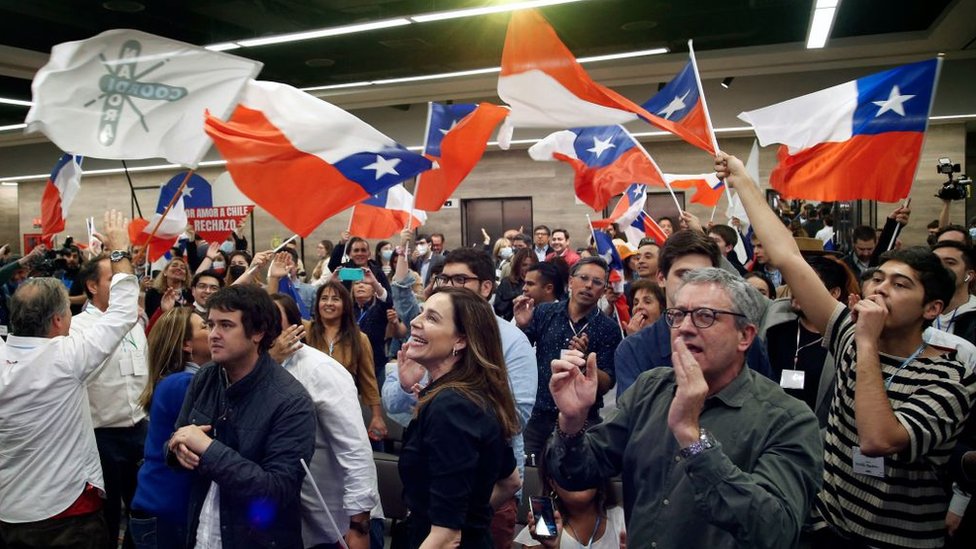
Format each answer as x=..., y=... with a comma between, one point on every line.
x=898, y=404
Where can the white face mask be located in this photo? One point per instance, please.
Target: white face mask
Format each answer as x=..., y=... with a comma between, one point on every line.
x=422, y=249
x=227, y=246
x=505, y=253
x=218, y=266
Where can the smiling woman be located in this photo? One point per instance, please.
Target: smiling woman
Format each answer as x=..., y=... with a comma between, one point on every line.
x=457, y=447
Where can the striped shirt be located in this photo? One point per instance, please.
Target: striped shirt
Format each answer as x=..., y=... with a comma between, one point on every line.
x=931, y=398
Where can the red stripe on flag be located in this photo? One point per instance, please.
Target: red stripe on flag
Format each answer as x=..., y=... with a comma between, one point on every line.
x=874, y=167
x=461, y=149
x=51, y=221
x=596, y=186
x=299, y=189
x=373, y=222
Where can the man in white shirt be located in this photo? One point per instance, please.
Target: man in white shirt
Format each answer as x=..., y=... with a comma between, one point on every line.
x=113, y=396
x=50, y=478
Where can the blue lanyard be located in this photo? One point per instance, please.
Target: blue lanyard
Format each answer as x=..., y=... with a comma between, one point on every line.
x=938, y=322
x=903, y=364
x=365, y=310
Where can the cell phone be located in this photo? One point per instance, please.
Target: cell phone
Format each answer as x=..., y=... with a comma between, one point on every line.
x=351, y=274
x=545, y=517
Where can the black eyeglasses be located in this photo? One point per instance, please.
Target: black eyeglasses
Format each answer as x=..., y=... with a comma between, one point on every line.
x=453, y=280
x=702, y=317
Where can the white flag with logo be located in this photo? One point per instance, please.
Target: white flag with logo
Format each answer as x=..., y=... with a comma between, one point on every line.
x=126, y=94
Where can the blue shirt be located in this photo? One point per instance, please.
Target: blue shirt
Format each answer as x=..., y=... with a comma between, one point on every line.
x=651, y=347
x=551, y=331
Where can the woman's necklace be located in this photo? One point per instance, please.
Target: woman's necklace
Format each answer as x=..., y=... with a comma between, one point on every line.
x=596, y=528
x=331, y=341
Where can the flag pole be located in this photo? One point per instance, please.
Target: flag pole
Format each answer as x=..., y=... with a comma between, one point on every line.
x=592, y=232
x=419, y=176
x=176, y=196
x=132, y=189
x=310, y=478
x=656, y=167
x=898, y=226
x=708, y=117
x=712, y=218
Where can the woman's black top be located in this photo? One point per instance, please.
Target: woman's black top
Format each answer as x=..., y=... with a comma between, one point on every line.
x=454, y=452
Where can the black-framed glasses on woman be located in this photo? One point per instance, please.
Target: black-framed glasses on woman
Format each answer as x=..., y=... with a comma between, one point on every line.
x=702, y=317
x=453, y=280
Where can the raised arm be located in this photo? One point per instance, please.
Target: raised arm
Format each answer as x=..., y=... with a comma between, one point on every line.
x=778, y=243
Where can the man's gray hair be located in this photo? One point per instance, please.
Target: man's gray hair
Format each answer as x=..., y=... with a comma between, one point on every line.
x=34, y=304
x=745, y=299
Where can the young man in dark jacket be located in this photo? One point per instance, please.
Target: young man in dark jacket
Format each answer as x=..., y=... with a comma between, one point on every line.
x=244, y=426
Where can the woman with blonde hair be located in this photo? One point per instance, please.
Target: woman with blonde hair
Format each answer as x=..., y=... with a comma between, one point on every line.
x=457, y=448
x=174, y=277
x=178, y=344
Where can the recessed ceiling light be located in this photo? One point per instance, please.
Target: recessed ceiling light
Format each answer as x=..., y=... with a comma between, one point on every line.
x=727, y=82
x=473, y=72
x=124, y=6
x=486, y=10
x=822, y=21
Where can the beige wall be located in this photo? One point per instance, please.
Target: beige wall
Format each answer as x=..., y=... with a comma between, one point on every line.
x=499, y=174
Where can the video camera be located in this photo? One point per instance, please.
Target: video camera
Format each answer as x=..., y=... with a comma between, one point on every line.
x=953, y=189
x=54, y=261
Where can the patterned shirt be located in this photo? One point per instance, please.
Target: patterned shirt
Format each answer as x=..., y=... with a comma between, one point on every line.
x=931, y=398
x=551, y=331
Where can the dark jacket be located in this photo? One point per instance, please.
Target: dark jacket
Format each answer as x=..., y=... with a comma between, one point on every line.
x=262, y=426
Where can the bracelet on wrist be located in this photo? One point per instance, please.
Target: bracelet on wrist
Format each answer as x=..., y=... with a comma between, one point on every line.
x=570, y=436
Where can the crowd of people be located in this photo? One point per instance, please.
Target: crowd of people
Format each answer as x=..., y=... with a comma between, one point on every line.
x=746, y=386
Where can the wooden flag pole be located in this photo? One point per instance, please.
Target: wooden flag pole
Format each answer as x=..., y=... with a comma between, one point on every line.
x=176, y=196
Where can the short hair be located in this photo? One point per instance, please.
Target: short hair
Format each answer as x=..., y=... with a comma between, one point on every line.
x=479, y=262
x=564, y=231
x=654, y=288
x=968, y=256
x=863, y=232
x=423, y=236
x=934, y=224
x=669, y=219
x=938, y=283
x=744, y=299
x=687, y=242
x=292, y=252
x=353, y=241
x=549, y=274
x=957, y=228
x=770, y=287
x=288, y=305
x=258, y=313
x=647, y=241
x=834, y=274
x=34, y=305
x=728, y=234
x=541, y=228
x=522, y=238
x=91, y=271
x=593, y=260
x=209, y=272
x=438, y=235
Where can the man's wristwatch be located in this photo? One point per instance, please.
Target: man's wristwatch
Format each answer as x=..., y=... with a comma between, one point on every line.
x=359, y=526
x=704, y=442
x=119, y=255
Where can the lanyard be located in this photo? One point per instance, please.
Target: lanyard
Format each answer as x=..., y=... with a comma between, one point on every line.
x=948, y=326
x=796, y=355
x=907, y=360
x=365, y=310
x=596, y=528
x=576, y=332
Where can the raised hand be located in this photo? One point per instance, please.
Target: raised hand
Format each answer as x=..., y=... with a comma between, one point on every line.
x=689, y=398
x=287, y=343
x=281, y=265
x=572, y=388
x=522, y=308
x=410, y=372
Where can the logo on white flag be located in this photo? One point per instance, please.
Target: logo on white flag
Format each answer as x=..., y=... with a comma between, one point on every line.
x=120, y=86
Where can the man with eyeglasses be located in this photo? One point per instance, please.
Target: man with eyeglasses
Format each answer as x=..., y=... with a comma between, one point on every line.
x=204, y=284
x=650, y=348
x=474, y=270
x=575, y=323
x=711, y=453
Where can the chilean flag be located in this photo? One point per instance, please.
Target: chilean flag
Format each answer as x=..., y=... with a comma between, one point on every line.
x=457, y=136
x=547, y=88
x=627, y=209
x=215, y=209
x=172, y=226
x=58, y=195
x=859, y=139
x=708, y=187
x=606, y=160
x=682, y=103
x=386, y=214
x=643, y=226
x=606, y=249
x=304, y=160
